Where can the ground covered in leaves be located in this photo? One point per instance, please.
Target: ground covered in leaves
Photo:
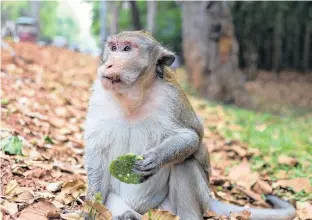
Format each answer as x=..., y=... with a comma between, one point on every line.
x=44, y=99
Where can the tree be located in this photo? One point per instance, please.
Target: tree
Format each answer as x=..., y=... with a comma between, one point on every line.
x=151, y=15
x=135, y=12
x=211, y=52
x=114, y=16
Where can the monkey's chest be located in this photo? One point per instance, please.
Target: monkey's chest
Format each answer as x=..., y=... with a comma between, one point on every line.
x=139, y=139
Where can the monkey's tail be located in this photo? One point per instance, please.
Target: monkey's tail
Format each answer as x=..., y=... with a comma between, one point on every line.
x=282, y=210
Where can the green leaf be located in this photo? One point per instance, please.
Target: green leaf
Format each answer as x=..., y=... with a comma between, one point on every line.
x=13, y=146
x=4, y=101
x=98, y=197
x=48, y=140
x=121, y=168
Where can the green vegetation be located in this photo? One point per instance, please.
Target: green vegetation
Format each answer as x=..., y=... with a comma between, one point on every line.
x=53, y=21
x=168, y=22
x=273, y=136
x=13, y=146
x=121, y=168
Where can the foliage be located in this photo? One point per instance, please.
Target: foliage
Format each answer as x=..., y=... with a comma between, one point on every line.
x=256, y=25
x=274, y=136
x=48, y=17
x=14, y=9
x=168, y=22
x=13, y=146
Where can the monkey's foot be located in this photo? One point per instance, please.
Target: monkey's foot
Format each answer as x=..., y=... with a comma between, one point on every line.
x=128, y=215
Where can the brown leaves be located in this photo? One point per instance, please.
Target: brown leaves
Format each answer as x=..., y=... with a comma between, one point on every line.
x=71, y=191
x=290, y=161
x=297, y=184
x=43, y=210
x=157, y=214
x=304, y=210
x=97, y=210
x=243, y=175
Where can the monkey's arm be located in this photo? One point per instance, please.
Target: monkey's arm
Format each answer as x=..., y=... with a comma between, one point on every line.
x=173, y=150
x=98, y=174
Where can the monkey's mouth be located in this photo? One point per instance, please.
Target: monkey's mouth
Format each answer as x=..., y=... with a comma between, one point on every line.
x=112, y=79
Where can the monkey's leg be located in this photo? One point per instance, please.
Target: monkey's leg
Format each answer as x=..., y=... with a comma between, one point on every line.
x=119, y=209
x=187, y=185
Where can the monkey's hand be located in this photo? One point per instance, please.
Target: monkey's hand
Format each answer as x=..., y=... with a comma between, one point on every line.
x=173, y=150
x=148, y=166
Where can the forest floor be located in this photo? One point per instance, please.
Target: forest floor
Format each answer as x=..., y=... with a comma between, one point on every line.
x=43, y=105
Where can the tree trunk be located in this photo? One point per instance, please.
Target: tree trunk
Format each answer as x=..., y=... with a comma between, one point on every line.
x=135, y=12
x=211, y=52
x=307, y=46
x=151, y=15
x=277, y=48
x=296, y=48
x=103, y=34
x=114, y=9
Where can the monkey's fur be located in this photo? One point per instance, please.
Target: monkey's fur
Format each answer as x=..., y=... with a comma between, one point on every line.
x=138, y=106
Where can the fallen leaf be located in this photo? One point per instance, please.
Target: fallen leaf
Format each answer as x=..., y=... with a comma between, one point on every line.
x=304, y=210
x=43, y=210
x=262, y=187
x=13, y=145
x=290, y=161
x=25, y=197
x=243, y=175
x=96, y=209
x=73, y=216
x=253, y=195
x=12, y=188
x=243, y=215
x=157, y=214
x=71, y=190
x=297, y=184
x=9, y=207
x=57, y=122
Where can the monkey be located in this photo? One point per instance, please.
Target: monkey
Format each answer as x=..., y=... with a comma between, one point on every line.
x=138, y=106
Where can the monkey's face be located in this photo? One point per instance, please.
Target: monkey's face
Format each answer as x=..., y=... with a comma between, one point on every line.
x=124, y=61
x=131, y=58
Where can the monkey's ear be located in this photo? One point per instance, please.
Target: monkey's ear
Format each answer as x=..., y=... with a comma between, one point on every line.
x=166, y=58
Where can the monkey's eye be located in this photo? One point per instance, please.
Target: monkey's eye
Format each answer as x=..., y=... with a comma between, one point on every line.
x=113, y=48
x=127, y=48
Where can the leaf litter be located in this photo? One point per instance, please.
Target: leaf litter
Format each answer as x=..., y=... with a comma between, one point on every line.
x=44, y=103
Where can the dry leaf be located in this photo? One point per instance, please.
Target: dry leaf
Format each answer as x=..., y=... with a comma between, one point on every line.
x=98, y=210
x=262, y=187
x=290, y=161
x=43, y=210
x=71, y=190
x=243, y=215
x=73, y=216
x=297, y=184
x=253, y=195
x=243, y=175
x=157, y=214
x=9, y=207
x=304, y=210
x=211, y=214
x=25, y=197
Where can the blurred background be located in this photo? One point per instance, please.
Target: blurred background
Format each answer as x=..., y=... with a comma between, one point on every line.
x=252, y=54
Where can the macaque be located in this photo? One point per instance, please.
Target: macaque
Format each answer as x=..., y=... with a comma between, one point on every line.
x=138, y=106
